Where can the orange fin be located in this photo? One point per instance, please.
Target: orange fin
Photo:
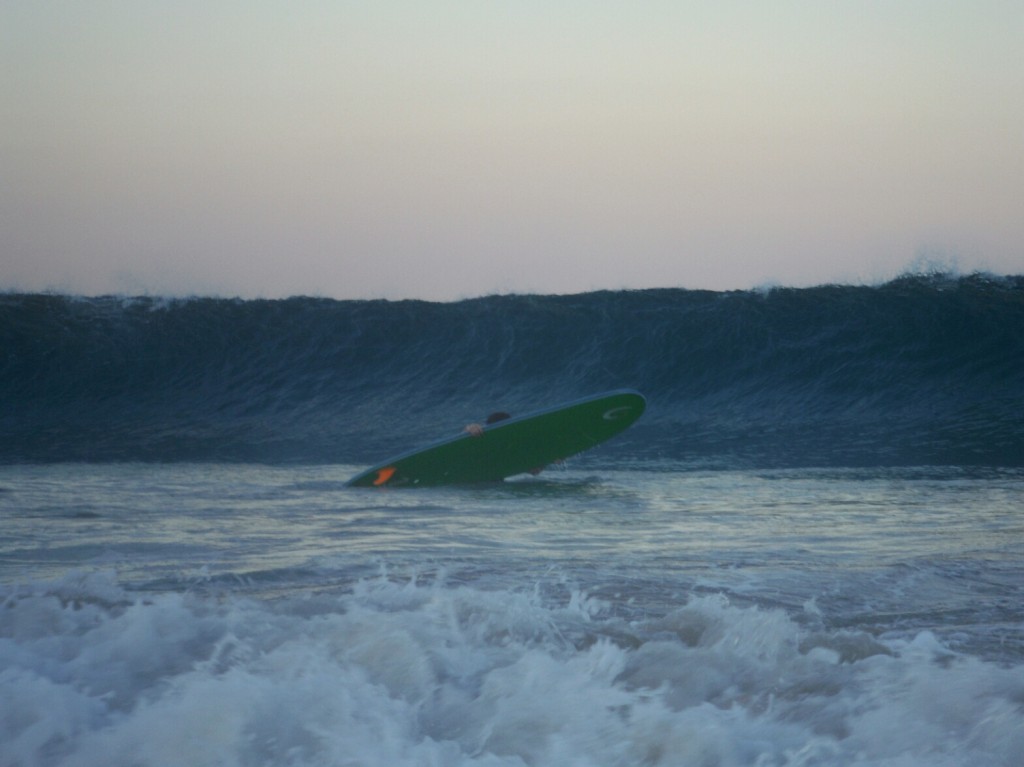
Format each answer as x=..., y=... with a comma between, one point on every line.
x=383, y=475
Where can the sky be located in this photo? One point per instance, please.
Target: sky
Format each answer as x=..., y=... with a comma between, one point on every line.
x=444, y=149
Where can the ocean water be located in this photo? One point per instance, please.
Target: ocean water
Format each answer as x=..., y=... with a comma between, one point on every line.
x=809, y=551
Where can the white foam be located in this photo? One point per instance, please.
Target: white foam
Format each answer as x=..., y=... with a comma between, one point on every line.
x=412, y=674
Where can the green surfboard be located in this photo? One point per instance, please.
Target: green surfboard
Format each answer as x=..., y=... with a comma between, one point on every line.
x=517, y=445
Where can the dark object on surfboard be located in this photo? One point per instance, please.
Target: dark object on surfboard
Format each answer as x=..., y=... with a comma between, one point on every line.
x=510, y=446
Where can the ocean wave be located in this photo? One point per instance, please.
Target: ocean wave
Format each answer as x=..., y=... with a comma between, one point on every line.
x=925, y=369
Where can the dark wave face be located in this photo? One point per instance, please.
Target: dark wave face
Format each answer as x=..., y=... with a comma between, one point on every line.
x=922, y=370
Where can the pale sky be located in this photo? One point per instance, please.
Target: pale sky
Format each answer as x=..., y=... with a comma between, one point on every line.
x=449, y=149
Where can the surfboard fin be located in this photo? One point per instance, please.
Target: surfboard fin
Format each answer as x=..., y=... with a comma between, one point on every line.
x=383, y=475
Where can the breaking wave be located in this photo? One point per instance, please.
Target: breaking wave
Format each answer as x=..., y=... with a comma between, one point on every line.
x=925, y=369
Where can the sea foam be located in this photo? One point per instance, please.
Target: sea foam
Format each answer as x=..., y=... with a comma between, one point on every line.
x=413, y=673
